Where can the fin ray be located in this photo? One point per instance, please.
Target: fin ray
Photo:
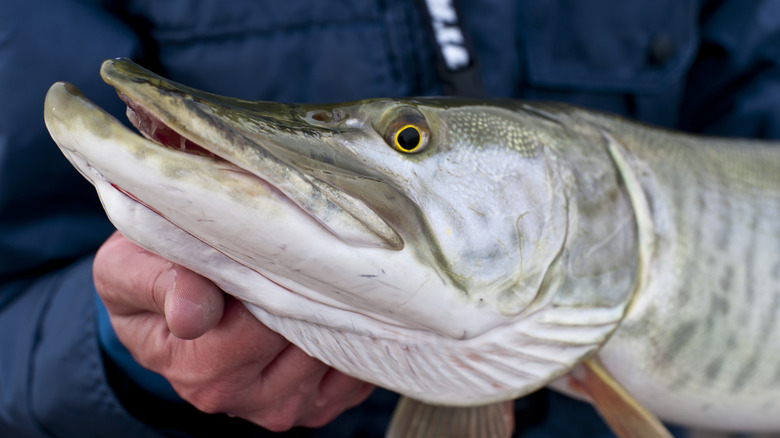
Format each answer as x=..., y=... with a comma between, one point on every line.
x=416, y=419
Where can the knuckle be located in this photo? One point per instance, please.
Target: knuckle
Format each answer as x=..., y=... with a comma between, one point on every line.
x=321, y=419
x=279, y=415
x=206, y=395
x=210, y=402
x=278, y=421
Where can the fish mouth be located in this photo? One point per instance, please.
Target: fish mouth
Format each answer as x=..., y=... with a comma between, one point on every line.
x=154, y=129
x=263, y=139
x=168, y=181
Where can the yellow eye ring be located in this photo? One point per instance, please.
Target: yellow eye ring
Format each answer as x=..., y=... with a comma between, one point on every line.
x=408, y=139
x=406, y=131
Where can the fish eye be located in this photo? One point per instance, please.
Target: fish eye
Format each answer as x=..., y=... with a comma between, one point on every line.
x=408, y=134
x=408, y=139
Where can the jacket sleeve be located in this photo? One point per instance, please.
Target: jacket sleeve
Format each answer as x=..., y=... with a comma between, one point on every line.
x=52, y=373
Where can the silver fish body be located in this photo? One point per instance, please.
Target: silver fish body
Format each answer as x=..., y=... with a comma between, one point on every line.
x=700, y=342
x=461, y=252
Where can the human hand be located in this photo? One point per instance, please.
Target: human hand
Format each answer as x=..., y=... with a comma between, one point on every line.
x=215, y=354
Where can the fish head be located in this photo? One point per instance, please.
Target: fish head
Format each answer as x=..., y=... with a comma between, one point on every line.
x=368, y=229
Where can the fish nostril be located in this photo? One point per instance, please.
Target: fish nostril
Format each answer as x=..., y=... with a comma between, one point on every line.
x=321, y=116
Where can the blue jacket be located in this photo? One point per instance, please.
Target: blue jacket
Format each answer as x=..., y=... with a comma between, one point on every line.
x=703, y=66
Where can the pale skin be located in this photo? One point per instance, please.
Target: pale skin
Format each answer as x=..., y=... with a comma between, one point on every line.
x=214, y=353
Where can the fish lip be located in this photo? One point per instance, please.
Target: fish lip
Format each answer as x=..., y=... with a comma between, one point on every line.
x=355, y=221
x=65, y=101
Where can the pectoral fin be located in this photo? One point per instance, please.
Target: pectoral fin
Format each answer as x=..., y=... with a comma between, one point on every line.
x=624, y=415
x=415, y=419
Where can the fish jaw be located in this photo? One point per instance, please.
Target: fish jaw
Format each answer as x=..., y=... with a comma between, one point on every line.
x=262, y=138
x=214, y=199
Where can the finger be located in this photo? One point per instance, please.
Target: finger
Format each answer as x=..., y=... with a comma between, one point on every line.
x=131, y=280
x=221, y=371
x=243, y=338
x=298, y=381
x=337, y=393
x=337, y=388
x=293, y=372
x=281, y=393
x=307, y=393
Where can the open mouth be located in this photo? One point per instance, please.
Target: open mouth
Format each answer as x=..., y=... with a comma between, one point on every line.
x=156, y=130
x=263, y=139
x=153, y=128
x=314, y=198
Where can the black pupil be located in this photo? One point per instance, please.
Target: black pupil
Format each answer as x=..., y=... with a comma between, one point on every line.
x=408, y=138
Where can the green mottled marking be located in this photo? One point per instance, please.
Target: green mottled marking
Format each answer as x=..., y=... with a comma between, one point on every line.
x=727, y=278
x=713, y=369
x=681, y=336
x=746, y=372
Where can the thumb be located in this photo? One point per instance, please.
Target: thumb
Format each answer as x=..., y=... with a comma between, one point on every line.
x=193, y=304
x=131, y=280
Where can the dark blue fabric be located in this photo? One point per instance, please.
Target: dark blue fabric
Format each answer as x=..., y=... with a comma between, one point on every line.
x=150, y=382
x=51, y=376
x=703, y=66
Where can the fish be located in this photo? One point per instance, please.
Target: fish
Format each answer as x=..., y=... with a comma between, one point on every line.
x=462, y=252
